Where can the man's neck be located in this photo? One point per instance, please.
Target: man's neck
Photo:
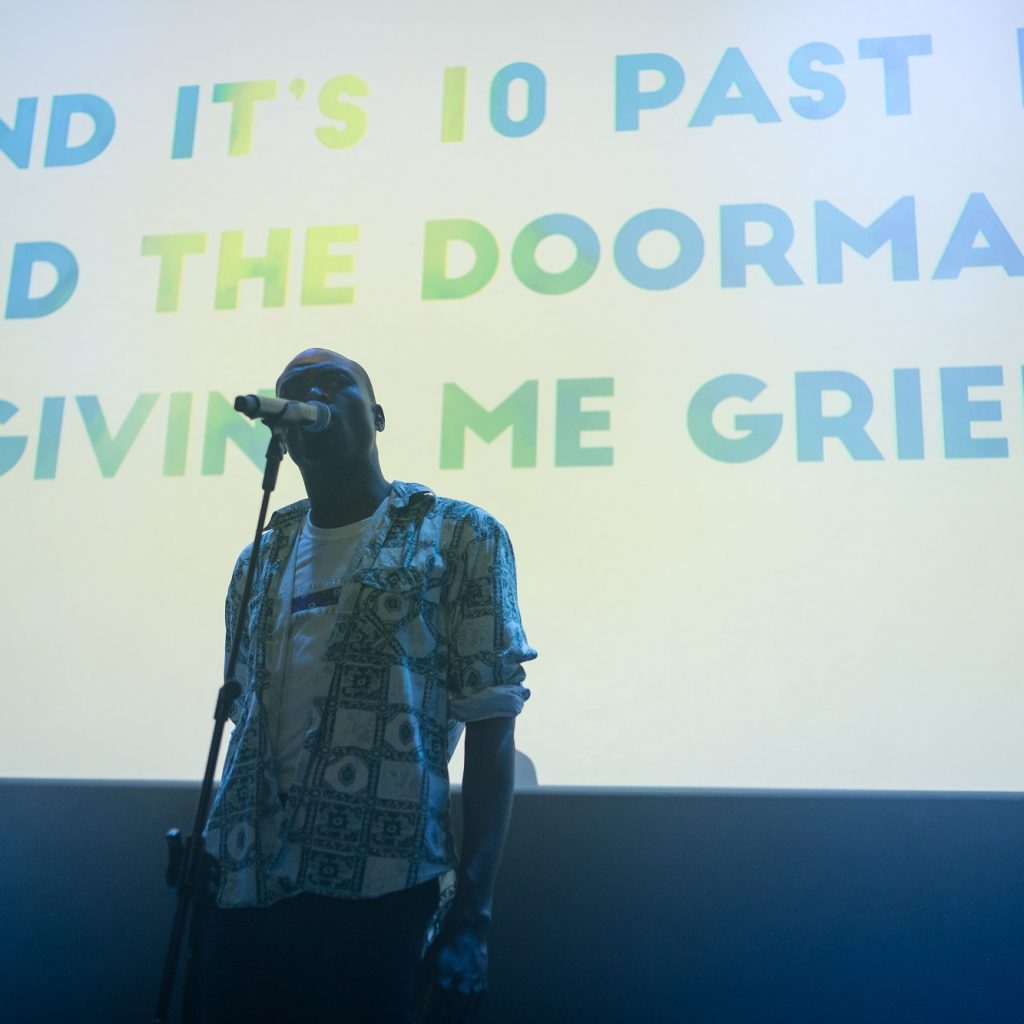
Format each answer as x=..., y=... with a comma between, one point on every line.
x=340, y=500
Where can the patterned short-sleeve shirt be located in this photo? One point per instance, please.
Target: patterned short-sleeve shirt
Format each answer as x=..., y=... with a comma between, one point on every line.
x=427, y=634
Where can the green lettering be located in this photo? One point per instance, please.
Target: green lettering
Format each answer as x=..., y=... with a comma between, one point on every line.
x=233, y=266
x=319, y=262
x=172, y=250
x=571, y=421
x=176, y=444
x=224, y=424
x=110, y=450
x=438, y=235
x=461, y=413
x=243, y=97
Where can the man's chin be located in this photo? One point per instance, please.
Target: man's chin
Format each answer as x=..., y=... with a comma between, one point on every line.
x=317, y=450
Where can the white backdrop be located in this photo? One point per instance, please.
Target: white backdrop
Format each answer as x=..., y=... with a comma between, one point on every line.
x=840, y=609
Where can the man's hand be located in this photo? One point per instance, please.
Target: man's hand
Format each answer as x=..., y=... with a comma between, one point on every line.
x=453, y=975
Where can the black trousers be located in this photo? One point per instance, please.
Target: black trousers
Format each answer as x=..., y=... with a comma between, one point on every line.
x=309, y=960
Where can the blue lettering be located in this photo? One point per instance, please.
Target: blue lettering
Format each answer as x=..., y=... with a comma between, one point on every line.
x=762, y=429
x=630, y=99
x=738, y=254
x=682, y=268
x=98, y=110
x=11, y=448
x=185, y=122
x=1020, y=60
x=897, y=225
x=959, y=412
x=536, y=100
x=833, y=93
x=734, y=72
x=895, y=53
x=20, y=305
x=813, y=426
x=16, y=140
x=909, y=422
x=979, y=218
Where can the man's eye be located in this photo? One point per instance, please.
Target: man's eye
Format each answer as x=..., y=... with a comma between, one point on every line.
x=333, y=381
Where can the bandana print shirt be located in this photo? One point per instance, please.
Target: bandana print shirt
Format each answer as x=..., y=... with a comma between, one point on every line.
x=427, y=635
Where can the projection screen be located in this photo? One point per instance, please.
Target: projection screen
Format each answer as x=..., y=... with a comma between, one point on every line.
x=716, y=306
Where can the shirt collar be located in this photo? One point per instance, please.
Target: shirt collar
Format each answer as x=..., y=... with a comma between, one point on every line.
x=407, y=499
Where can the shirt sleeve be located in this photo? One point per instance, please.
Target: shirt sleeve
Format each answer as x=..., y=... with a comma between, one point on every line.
x=487, y=644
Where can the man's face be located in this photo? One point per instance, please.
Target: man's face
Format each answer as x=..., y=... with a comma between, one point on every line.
x=319, y=375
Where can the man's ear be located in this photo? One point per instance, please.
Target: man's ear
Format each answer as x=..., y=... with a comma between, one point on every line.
x=378, y=417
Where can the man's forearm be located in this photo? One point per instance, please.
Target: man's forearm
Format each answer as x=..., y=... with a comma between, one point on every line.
x=487, y=784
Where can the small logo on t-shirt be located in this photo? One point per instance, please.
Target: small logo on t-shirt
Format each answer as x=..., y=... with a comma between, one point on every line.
x=317, y=599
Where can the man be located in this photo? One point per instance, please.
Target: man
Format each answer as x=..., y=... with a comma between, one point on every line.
x=383, y=617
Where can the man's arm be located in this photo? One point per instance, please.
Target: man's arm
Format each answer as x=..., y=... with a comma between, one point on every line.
x=486, y=806
x=485, y=684
x=458, y=959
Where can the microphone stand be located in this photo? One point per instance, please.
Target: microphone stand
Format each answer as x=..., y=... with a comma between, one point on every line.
x=186, y=868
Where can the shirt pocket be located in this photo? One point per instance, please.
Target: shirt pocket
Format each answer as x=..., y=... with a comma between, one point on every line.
x=396, y=613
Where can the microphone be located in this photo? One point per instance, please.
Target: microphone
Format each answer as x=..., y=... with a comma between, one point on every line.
x=279, y=412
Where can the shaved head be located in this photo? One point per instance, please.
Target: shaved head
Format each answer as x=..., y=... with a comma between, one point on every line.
x=316, y=356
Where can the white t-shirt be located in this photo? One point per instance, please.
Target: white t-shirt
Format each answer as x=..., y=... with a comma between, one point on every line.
x=323, y=560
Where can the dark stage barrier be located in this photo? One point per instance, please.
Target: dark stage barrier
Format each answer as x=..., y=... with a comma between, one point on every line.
x=613, y=906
